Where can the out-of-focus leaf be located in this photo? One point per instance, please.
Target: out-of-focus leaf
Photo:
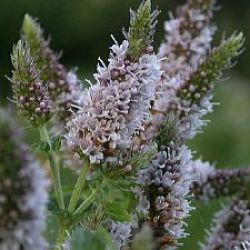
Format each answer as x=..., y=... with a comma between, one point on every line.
x=43, y=146
x=56, y=143
x=143, y=240
x=91, y=240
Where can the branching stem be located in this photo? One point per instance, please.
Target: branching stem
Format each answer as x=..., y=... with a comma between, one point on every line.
x=54, y=165
x=78, y=187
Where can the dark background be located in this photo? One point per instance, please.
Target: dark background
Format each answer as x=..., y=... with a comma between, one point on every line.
x=82, y=28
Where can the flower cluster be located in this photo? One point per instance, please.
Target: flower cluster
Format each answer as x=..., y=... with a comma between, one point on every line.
x=117, y=106
x=160, y=114
x=231, y=227
x=166, y=184
x=188, y=38
x=23, y=193
x=189, y=100
x=195, y=94
x=120, y=233
x=209, y=183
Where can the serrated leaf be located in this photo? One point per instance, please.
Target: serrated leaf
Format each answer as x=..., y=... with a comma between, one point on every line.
x=117, y=212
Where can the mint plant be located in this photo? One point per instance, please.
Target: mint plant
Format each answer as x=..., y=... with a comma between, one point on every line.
x=122, y=140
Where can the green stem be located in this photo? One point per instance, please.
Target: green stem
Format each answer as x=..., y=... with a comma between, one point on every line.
x=55, y=168
x=86, y=202
x=62, y=235
x=78, y=187
x=57, y=180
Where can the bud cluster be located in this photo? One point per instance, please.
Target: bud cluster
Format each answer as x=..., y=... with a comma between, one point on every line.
x=41, y=83
x=29, y=93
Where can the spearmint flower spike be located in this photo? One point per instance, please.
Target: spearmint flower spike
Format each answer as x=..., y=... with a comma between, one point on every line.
x=64, y=87
x=211, y=183
x=23, y=192
x=165, y=192
x=174, y=182
x=32, y=33
x=195, y=95
x=220, y=59
x=231, y=227
x=30, y=95
x=188, y=40
x=160, y=175
x=117, y=106
x=188, y=37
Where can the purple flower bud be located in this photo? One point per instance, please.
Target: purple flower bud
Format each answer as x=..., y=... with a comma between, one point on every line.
x=42, y=105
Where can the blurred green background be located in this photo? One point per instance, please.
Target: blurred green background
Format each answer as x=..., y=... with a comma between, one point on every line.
x=82, y=28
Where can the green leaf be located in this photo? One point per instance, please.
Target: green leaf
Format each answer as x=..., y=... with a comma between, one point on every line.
x=169, y=130
x=117, y=198
x=91, y=240
x=56, y=143
x=116, y=211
